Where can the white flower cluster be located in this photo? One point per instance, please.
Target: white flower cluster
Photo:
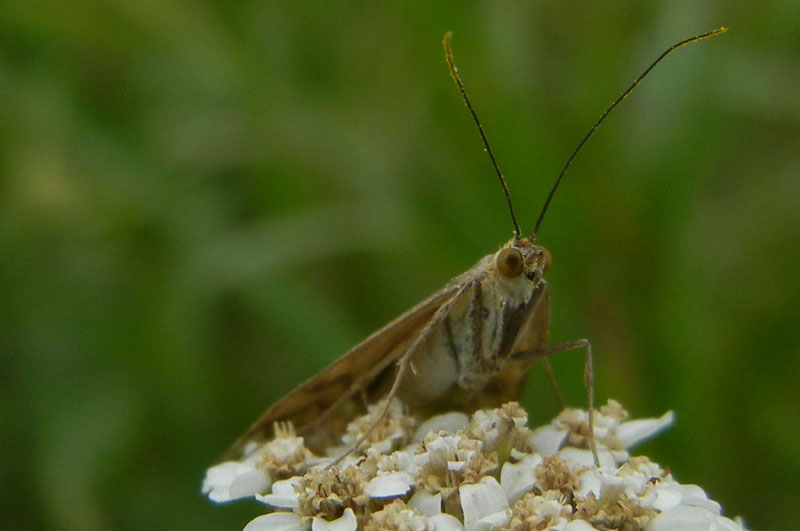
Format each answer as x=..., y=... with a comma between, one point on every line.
x=453, y=472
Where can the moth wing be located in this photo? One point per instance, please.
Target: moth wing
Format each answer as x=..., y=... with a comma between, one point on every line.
x=355, y=370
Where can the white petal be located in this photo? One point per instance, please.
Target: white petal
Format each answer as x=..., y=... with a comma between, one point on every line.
x=249, y=484
x=280, y=521
x=591, y=482
x=634, y=432
x=464, y=454
x=646, y=497
x=389, y=485
x=426, y=503
x=584, y=458
x=445, y=522
x=232, y=480
x=493, y=521
x=516, y=455
x=549, y=508
x=278, y=502
x=548, y=439
x=449, y=422
x=603, y=426
x=692, y=518
x=222, y=473
x=383, y=447
x=697, y=497
x=519, y=478
x=283, y=495
x=612, y=487
x=284, y=449
x=347, y=522
x=457, y=466
x=620, y=456
x=444, y=443
x=399, y=461
x=438, y=451
x=684, y=518
x=480, y=500
x=667, y=497
x=249, y=450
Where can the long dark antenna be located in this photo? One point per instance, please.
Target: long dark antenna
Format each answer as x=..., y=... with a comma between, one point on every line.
x=624, y=95
x=448, y=54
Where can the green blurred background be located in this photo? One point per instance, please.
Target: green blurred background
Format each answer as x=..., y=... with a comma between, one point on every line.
x=202, y=204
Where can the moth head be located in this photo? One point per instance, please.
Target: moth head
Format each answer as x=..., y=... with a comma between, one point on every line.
x=522, y=258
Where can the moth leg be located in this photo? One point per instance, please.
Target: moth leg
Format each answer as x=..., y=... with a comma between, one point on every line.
x=469, y=362
x=404, y=362
x=533, y=335
x=362, y=393
x=588, y=377
x=551, y=379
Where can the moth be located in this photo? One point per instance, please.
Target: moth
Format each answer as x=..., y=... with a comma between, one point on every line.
x=467, y=346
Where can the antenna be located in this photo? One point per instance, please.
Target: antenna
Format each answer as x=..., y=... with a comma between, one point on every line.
x=624, y=95
x=448, y=54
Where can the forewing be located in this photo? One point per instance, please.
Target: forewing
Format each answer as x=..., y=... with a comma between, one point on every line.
x=354, y=371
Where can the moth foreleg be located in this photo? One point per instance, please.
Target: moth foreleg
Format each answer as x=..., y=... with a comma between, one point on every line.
x=588, y=377
x=551, y=379
x=405, y=362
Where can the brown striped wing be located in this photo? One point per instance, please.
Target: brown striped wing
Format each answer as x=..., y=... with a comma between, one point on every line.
x=356, y=370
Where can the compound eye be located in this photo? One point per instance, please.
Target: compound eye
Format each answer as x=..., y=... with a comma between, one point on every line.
x=547, y=259
x=510, y=262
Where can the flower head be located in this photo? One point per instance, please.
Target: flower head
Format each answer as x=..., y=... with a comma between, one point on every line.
x=487, y=471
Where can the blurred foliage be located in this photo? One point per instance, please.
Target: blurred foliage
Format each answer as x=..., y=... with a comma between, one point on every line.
x=202, y=204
